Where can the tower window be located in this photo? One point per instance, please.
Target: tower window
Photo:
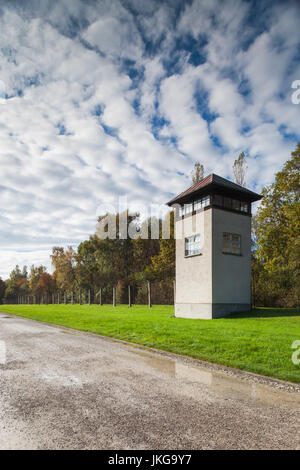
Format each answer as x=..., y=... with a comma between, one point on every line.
x=244, y=206
x=231, y=243
x=201, y=203
x=192, y=245
x=236, y=205
x=188, y=208
x=181, y=211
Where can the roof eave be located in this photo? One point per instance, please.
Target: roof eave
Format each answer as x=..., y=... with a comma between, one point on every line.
x=247, y=195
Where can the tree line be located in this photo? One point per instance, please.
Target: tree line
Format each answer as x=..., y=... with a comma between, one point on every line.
x=119, y=263
x=101, y=264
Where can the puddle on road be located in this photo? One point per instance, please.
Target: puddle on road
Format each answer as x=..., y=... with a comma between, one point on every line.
x=229, y=387
x=61, y=380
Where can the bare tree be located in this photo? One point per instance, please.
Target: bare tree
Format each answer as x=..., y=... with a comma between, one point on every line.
x=239, y=169
x=197, y=173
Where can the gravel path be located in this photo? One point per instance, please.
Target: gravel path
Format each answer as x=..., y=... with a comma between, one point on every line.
x=63, y=389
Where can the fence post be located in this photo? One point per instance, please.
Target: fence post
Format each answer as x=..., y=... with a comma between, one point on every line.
x=65, y=298
x=149, y=294
x=80, y=299
x=58, y=299
x=72, y=298
x=89, y=297
x=100, y=296
x=114, y=296
x=129, y=296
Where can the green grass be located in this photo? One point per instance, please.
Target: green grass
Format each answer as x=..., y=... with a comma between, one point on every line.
x=258, y=341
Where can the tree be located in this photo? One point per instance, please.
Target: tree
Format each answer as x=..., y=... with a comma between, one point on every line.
x=278, y=231
x=197, y=173
x=64, y=264
x=239, y=169
x=17, y=284
x=163, y=264
x=2, y=290
x=41, y=282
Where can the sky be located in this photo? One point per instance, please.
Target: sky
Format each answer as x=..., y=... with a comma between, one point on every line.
x=101, y=99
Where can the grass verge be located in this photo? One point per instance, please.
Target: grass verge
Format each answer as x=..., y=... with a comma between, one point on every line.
x=259, y=341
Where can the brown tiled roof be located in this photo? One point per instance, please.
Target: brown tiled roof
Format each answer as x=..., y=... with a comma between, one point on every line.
x=213, y=180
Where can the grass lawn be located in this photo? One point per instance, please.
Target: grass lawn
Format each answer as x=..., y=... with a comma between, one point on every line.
x=258, y=341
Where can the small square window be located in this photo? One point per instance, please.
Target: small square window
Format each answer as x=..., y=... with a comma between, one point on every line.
x=231, y=243
x=192, y=245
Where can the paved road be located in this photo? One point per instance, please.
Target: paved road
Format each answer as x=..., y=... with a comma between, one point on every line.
x=64, y=389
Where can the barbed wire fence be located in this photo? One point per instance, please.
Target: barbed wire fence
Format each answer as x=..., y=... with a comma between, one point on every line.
x=135, y=293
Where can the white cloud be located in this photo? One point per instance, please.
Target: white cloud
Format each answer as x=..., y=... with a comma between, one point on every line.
x=87, y=81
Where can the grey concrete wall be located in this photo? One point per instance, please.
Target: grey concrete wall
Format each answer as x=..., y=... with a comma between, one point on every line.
x=213, y=284
x=231, y=274
x=194, y=274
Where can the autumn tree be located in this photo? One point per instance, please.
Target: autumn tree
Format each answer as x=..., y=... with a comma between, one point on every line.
x=144, y=248
x=278, y=231
x=64, y=261
x=163, y=264
x=90, y=268
x=40, y=282
x=17, y=284
x=2, y=290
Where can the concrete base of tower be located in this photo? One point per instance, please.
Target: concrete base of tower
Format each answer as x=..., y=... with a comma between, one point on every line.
x=209, y=311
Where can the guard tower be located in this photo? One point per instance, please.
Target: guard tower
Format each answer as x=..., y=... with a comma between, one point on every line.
x=213, y=248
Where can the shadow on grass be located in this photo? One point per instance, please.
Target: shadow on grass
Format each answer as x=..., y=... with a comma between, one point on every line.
x=266, y=313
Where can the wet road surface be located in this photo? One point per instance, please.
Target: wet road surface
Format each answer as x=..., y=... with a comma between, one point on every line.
x=62, y=389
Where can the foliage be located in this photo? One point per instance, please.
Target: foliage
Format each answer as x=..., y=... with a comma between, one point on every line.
x=109, y=262
x=163, y=264
x=2, y=289
x=277, y=231
x=40, y=282
x=17, y=284
x=64, y=265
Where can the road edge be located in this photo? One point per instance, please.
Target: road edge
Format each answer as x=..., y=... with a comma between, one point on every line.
x=241, y=374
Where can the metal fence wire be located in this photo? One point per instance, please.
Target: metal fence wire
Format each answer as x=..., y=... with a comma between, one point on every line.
x=130, y=293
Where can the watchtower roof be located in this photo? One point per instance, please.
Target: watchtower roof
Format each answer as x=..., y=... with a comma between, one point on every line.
x=215, y=182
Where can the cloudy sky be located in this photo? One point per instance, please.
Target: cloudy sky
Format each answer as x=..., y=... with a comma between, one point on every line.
x=120, y=97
